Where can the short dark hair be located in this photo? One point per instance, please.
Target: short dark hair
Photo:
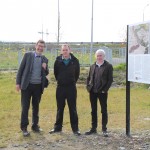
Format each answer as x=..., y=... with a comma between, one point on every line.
x=65, y=45
x=40, y=41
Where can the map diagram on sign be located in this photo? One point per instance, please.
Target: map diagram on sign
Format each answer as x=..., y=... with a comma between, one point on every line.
x=139, y=53
x=139, y=39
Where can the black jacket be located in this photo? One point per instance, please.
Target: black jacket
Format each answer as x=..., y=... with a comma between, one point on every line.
x=66, y=75
x=106, y=77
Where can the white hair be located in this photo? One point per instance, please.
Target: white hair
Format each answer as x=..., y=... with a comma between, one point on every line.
x=100, y=51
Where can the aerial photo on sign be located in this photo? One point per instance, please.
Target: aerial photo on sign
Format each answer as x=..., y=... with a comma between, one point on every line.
x=139, y=52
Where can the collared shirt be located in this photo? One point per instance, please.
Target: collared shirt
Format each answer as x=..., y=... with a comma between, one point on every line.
x=99, y=64
x=36, y=55
x=66, y=61
x=64, y=58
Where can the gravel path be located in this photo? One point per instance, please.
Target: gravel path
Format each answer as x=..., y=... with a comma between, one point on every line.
x=68, y=141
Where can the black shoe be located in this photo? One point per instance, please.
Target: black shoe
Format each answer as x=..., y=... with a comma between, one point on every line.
x=92, y=131
x=36, y=129
x=55, y=131
x=105, y=133
x=25, y=132
x=77, y=133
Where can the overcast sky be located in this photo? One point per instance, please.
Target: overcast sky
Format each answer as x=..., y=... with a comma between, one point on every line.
x=21, y=20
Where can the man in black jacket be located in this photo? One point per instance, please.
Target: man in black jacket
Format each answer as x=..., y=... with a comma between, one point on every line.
x=30, y=80
x=98, y=83
x=66, y=71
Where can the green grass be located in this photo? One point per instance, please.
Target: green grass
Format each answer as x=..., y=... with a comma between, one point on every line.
x=10, y=59
x=10, y=110
x=121, y=66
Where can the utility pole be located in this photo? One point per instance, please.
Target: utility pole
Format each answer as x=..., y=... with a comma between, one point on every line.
x=58, y=28
x=41, y=32
x=46, y=38
x=91, y=48
x=47, y=35
x=44, y=33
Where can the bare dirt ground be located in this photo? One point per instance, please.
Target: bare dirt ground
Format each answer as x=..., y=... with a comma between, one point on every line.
x=67, y=141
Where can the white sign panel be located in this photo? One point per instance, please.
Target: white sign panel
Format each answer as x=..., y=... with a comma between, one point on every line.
x=139, y=53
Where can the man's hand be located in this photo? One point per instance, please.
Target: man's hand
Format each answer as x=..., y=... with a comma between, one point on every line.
x=18, y=87
x=44, y=65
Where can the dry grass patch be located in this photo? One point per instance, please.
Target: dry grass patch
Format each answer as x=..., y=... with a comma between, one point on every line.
x=10, y=111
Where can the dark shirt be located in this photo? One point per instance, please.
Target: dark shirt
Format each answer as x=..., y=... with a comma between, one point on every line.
x=97, y=73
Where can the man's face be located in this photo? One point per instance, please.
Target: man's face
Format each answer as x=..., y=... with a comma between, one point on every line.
x=65, y=51
x=40, y=48
x=100, y=57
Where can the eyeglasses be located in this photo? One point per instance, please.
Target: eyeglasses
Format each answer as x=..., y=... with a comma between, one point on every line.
x=41, y=46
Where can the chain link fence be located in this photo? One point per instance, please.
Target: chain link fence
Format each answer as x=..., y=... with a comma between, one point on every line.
x=11, y=54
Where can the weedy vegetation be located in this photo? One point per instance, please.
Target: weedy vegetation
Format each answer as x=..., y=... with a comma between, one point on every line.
x=10, y=108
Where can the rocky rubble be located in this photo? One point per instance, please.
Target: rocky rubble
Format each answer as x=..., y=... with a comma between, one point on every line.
x=67, y=141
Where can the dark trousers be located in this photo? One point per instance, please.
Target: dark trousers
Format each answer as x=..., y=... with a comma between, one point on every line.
x=69, y=93
x=103, y=103
x=34, y=91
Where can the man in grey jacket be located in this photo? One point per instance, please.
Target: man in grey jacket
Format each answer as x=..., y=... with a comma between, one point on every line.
x=31, y=80
x=98, y=83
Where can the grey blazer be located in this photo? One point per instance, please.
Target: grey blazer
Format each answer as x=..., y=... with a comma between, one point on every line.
x=24, y=71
